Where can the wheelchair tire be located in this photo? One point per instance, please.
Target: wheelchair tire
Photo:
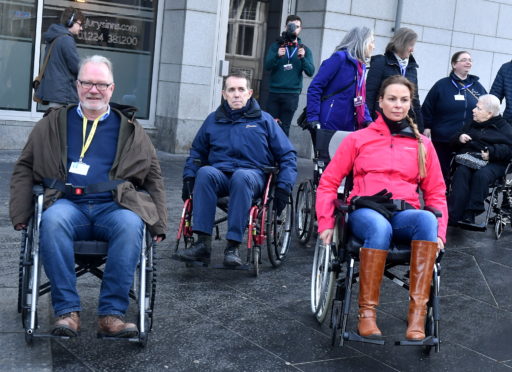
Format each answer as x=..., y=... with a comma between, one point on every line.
x=429, y=328
x=323, y=281
x=499, y=226
x=149, y=291
x=26, y=280
x=279, y=233
x=256, y=255
x=305, y=212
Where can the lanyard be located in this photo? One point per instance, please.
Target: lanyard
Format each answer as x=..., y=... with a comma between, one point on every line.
x=403, y=70
x=290, y=55
x=87, y=143
x=462, y=86
x=360, y=80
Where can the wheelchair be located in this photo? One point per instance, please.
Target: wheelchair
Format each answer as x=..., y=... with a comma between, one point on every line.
x=333, y=275
x=495, y=214
x=89, y=257
x=265, y=227
x=326, y=142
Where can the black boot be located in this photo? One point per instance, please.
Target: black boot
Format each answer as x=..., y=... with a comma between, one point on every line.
x=469, y=217
x=232, y=255
x=199, y=251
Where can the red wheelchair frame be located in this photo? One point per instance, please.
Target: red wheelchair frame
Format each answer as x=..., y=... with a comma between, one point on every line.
x=264, y=227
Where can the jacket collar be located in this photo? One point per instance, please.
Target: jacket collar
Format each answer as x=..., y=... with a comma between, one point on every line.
x=380, y=126
x=391, y=60
x=469, y=79
x=253, y=112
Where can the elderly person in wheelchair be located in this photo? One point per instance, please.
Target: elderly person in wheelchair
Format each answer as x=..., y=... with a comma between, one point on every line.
x=227, y=158
x=390, y=161
x=484, y=148
x=92, y=159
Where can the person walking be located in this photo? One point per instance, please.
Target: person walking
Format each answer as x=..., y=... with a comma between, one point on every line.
x=58, y=85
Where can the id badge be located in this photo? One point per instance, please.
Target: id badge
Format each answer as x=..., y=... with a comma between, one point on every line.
x=79, y=167
x=358, y=101
x=288, y=67
x=459, y=97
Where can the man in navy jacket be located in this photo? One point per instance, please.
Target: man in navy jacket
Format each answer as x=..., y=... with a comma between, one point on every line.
x=227, y=158
x=502, y=88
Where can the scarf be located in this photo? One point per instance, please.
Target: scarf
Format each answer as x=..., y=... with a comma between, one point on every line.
x=235, y=114
x=360, y=91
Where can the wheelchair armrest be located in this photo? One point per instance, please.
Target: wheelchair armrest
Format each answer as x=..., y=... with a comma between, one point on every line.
x=342, y=206
x=435, y=211
x=269, y=170
x=37, y=189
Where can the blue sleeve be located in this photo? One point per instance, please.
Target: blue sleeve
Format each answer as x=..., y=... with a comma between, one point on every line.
x=284, y=155
x=68, y=48
x=199, y=150
x=498, y=87
x=316, y=90
x=428, y=107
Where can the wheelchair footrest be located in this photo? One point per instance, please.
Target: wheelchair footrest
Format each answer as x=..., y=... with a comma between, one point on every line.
x=189, y=263
x=49, y=335
x=352, y=336
x=242, y=267
x=105, y=337
x=472, y=226
x=427, y=341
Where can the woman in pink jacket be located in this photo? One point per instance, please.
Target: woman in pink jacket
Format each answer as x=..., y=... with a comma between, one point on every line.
x=389, y=155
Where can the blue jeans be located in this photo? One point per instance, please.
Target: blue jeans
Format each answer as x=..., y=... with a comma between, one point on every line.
x=377, y=232
x=241, y=186
x=65, y=222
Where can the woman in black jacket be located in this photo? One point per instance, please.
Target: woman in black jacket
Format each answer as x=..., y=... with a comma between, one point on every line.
x=449, y=105
x=397, y=60
x=490, y=136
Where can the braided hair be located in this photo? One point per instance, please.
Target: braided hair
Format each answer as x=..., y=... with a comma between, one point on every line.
x=398, y=79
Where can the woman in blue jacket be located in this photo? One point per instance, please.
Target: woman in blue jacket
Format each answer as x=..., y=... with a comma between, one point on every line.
x=449, y=105
x=337, y=94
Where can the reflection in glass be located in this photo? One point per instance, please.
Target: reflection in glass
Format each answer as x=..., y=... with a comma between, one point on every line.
x=17, y=34
x=124, y=34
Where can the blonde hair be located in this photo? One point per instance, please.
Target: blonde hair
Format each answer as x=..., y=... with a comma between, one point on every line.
x=422, y=152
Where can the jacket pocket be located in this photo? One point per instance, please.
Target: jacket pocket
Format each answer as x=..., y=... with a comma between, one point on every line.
x=139, y=202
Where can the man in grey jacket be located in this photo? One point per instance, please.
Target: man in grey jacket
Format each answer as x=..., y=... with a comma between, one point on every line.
x=58, y=84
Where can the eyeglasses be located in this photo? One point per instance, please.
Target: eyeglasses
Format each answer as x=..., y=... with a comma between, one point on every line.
x=88, y=85
x=465, y=60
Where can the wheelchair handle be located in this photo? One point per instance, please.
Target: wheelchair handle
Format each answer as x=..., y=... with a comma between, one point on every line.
x=37, y=189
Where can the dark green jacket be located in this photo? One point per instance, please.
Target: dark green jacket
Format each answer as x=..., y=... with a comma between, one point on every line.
x=288, y=81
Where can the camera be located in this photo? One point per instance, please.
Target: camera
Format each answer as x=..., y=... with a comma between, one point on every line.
x=289, y=36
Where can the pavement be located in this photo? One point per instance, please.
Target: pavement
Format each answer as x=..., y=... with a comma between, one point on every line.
x=223, y=320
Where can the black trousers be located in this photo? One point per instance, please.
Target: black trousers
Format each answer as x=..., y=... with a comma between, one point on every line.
x=444, y=153
x=282, y=106
x=470, y=188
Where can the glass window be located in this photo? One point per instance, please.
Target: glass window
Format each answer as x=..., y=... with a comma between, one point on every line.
x=245, y=40
x=17, y=34
x=123, y=31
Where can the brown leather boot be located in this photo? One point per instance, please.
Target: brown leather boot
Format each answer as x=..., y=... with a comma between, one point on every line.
x=371, y=269
x=423, y=257
x=67, y=325
x=115, y=326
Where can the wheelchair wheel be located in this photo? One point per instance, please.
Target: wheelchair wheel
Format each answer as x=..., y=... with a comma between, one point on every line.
x=256, y=256
x=323, y=280
x=146, y=297
x=429, y=328
x=305, y=212
x=26, y=279
x=499, y=226
x=279, y=231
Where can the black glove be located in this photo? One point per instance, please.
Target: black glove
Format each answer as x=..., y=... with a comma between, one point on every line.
x=281, y=198
x=188, y=187
x=380, y=202
x=310, y=125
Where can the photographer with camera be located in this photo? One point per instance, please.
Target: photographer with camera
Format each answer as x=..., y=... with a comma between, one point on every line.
x=287, y=58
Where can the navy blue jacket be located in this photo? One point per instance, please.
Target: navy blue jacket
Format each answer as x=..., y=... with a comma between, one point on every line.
x=383, y=66
x=59, y=80
x=254, y=141
x=444, y=115
x=337, y=112
x=502, y=88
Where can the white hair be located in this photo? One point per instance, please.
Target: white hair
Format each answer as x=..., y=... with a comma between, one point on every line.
x=96, y=59
x=490, y=103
